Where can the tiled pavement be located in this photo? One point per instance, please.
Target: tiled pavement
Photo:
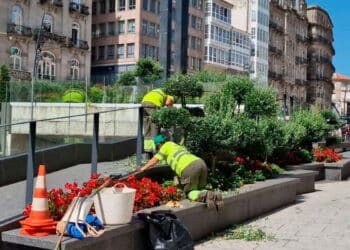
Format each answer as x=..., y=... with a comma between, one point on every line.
x=319, y=220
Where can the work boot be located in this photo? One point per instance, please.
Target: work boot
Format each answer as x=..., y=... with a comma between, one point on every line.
x=219, y=201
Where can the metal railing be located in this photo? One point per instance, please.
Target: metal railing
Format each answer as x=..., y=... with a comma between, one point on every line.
x=33, y=132
x=19, y=30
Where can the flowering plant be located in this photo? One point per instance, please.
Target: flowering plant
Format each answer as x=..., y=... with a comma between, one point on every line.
x=148, y=194
x=326, y=155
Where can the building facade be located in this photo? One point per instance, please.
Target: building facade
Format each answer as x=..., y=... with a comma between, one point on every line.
x=123, y=31
x=288, y=52
x=227, y=49
x=341, y=95
x=320, y=54
x=65, y=52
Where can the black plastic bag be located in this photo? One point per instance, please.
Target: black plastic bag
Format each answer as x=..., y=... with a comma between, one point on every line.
x=166, y=231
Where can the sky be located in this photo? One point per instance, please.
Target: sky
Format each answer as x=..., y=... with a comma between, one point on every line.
x=339, y=10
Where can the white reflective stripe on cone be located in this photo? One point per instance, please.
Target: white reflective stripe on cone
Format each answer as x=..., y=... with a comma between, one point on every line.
x=40, y=204
x=40, y=182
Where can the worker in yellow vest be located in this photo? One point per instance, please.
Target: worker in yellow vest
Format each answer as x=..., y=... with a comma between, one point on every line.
x=152, y=101
x=191, y=169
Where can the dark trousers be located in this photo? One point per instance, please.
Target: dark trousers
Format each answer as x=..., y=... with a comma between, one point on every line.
x=194, y=176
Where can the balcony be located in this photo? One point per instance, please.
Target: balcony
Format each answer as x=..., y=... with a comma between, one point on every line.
x=20, y=75
x=57, y=3
x=320, y=59
x=79, y=8
x=51, y=36
x=46, y=77
x=300, y=60
x=316, y=77
x=274, y=75
x=301, y=38
x=19, y=30
x=275, y=50
x=79, y=44
x=321, y=39
x=277, y=27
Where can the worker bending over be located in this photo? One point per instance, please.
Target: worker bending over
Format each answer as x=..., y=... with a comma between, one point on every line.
x=191, y=169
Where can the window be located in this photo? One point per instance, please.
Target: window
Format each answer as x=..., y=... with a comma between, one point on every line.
x=111, y=6
x=75, y=34
x=131, y=26
x=131, y=49
x=152, y=6
x=145, y=4
x=152, y=29
x=132, y=4
x=121, y=5
x=144, y=27
x=110, y=52
x=16, y=15
x=74, y=69
x=120, y=50
x=121, y=27
x=94, y=8
x=111, y=28
x=93, y=30
x=102, y=29
x=48, y=23
x=16, y=60
x=101, y=52
x=103, y=6
x=93, y=54
x=47, y=66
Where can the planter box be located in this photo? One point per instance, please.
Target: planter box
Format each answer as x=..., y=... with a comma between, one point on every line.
x=314, y=166
x=337, y=171
x=306, y=177
x=251, y=201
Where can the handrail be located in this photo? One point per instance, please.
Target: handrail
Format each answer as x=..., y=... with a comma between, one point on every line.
x=66, y=117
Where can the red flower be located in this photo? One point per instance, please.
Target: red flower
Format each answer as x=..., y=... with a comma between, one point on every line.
x=326, y=155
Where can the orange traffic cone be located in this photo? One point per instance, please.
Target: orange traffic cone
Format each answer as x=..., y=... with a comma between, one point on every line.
x=39, y=222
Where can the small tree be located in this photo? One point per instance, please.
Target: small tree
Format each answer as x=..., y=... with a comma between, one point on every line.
x=4, y=83
x=183, y=86
x=95, y=94
x=148, y=71
x=238, y=88
x=261, y=102
x=127, y=78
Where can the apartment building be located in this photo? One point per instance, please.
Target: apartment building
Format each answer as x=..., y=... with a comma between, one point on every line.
x=65, y=51
x=320, y=54
x=123, y=31
x=288, y=46
x=227, y=49
x=341, y=95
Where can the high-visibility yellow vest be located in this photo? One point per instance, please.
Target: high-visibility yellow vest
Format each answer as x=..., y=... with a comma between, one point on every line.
x=176, y=156
x=156, y=97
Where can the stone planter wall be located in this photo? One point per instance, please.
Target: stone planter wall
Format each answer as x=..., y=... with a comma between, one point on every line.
x=252, y=201
x=337, y=171
x=313, y=166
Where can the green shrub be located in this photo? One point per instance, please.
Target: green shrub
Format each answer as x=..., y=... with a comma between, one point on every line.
x=260, y=103
x=305, y=155
x=331, y=118
x=183, y=86
x=148, y=71
x=294, y=134
x=315, y=126
x=127, y=78
x=74, y=96
x=95, y=95
x=171, y=117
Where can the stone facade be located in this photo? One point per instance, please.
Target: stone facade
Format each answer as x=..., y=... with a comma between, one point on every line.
x=288, y=52
x=300, y=54
x=65, y=52
x=126, y=30
x=320, y=54
x=341, y=95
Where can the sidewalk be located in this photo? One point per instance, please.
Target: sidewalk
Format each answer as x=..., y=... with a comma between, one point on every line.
x=319, y=220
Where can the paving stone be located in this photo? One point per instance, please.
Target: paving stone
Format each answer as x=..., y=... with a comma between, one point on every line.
x=320, y=222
